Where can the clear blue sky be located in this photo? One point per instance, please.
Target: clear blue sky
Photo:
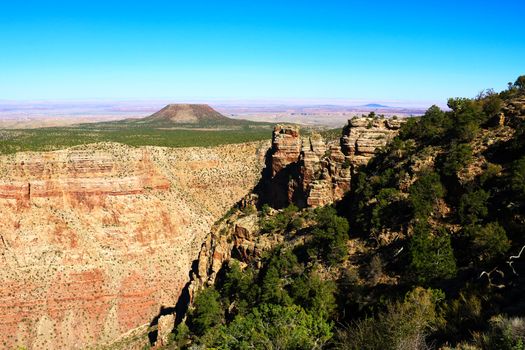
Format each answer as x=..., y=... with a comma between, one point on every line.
x=414, y=50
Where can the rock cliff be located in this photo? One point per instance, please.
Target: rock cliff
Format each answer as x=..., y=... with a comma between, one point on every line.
x=238, y=236
x=96, y=240
x=309, y=172
x=362, y=136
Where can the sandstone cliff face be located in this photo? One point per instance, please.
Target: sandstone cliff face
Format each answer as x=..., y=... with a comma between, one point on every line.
x=286, y=147
x=285, y=151
x=362, y=136
x=237, y=235
x=96, y=239
x=309, y=172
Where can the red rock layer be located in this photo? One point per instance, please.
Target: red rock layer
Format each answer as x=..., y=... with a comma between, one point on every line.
x=94, y=241
x=77, y=174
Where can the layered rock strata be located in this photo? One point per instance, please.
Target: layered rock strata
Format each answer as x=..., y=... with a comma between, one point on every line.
x=309, y=172
x=362, y=136
x=96, y=240
x=238, y=236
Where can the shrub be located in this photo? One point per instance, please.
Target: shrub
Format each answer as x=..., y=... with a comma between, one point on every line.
x=280, y=221
x=424, y=193
x=467, y=115
x=473, y=206
x=266, y=210
x=459, y=156
x=517, y=180
x=463, y=314
x=489, y=241
x=239, y=287
x=179, y=337
x=505, y=334
x=330, y=235
x=492, y=104
x=249, y=210
x=385, y=209
x=280, y=269
x=314, y=294
x=431, y=254
x=207, y=311
x=273, y=288
x=274, y=327
x=400, y=148
x=520, y=82
x=430, y=128
x=404, y=325
x=491, y=171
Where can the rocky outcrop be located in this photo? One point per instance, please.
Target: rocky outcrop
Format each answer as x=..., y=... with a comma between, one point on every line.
x=515, y=107
x=306, y=171
x=309, y=172
x=362, y=136
x=286, y=147
x=97, y=240
x=282, y=166
x=512, y=112
x=236, y=236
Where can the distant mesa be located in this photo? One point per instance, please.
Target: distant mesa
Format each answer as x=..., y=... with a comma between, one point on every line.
x=375, y=105
x=187, y=114
x=182, y=115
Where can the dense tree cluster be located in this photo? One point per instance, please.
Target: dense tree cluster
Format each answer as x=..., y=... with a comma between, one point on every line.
x=457, y=197
x=283, y=301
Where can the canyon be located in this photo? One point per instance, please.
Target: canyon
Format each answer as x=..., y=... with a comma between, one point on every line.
x=97, y=239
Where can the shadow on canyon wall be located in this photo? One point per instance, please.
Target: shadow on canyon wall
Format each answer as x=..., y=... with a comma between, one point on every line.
x=278, y=191
x=179, y=310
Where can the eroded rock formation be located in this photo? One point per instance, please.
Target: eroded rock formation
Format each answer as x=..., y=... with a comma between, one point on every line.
x=309, y=172
x=303, y=170
x=237, y=235
x=95, y=240
x=362, y=136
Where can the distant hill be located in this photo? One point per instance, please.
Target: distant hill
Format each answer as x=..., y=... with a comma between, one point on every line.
x=375, y=105
x=187, y=114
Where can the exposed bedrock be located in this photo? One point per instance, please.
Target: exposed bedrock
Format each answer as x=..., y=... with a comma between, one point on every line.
x=309, y=172
x=95, y=240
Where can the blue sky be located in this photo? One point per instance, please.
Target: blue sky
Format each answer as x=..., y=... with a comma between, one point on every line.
x=381, y=50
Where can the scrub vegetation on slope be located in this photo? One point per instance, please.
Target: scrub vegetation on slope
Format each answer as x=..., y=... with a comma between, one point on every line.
x=424, y=252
